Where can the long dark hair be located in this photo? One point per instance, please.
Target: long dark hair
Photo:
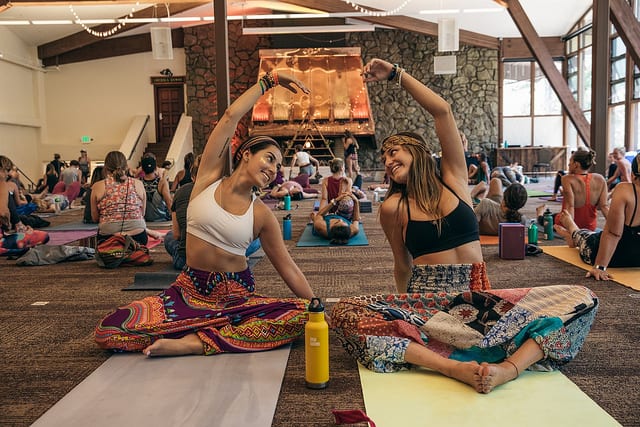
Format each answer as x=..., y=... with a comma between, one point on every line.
x=514, y=198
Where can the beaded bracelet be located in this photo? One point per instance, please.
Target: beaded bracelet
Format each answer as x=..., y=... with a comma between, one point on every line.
x=394, y=71
x=269, y=81
x=261, y=86
x=400, y=73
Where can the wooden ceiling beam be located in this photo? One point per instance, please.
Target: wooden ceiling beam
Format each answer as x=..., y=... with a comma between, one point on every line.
x=627, y=26
x=543, y=57
x=83, y=38
x=399, y=22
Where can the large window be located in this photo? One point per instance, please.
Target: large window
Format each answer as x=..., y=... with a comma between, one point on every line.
x=532, y=113
x=624, y=85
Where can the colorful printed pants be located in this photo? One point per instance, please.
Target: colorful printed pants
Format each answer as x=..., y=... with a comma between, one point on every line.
x=485, y=326
x=221, y=308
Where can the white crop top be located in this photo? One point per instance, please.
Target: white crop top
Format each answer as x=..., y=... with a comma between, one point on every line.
x=207, y=220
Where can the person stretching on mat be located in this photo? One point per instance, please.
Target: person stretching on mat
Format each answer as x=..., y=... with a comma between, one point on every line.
x=212, y=307
x=500, y=207
x=483, y=338
x=619, y=244
x=344, y=222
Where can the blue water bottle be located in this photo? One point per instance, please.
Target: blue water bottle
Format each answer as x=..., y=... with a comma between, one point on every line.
x=287, y=202
x=548, y=224
x=286, y=227
x=532, y=236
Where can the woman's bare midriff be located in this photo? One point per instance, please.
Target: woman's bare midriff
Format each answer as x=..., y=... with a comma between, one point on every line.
x=204, y=256
x=468, y=253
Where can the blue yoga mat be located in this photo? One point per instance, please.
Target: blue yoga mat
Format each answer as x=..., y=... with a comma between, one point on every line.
x=308, y=239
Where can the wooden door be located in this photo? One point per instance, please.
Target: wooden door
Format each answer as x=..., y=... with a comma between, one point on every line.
x=169, y=100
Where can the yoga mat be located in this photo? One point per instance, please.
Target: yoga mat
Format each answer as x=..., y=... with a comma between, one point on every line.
x=626, y=276
x=65, y=237
x=548, y=199
x=152, y=242
x=226, y=390
x=159, y=224
x=537, y=193
x=153, y=280
x=424, y=398
x=489, y=240
x=308, y=239
x=79, y=225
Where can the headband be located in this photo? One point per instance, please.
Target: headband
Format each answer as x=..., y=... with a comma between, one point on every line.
x=251, y=142
x=401, y=140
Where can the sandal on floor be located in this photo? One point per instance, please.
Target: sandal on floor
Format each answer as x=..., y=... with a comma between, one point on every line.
x=533, y=249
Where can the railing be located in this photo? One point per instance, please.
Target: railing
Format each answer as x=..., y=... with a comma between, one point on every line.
x=32, y=185
x=136, y=140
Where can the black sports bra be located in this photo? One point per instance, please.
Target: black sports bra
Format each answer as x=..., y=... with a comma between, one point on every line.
x=457, y=228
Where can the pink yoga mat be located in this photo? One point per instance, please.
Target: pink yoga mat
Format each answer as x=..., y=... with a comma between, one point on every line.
x=68, y=236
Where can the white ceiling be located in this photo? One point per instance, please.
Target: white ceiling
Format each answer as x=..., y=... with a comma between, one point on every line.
x=549, y=17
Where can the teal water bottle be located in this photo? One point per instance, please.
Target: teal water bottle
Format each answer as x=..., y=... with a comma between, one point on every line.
x=287, y=202
x=548, y=224
x=532, y=236
x=286, y=227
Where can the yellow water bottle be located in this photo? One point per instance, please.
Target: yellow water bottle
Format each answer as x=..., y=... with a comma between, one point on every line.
x=316, y=347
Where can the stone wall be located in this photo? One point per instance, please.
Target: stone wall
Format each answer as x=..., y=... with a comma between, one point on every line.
x=472, y=91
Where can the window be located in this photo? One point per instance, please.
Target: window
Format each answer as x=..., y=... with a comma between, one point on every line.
x=532, y=113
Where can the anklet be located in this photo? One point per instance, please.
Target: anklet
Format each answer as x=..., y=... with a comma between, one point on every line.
x=514, y=365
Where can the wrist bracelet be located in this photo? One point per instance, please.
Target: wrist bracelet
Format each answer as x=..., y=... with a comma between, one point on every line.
x=600, y=267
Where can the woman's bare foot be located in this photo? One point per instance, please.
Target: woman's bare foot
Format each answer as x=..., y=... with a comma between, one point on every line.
x=492, y=375
x=468, y=373
x=564, y=233
x=189, y=344
x=567, y=222
x=540, y=210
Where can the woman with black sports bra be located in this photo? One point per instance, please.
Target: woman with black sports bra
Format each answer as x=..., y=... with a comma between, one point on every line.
x=483, y=338
x=618, y=245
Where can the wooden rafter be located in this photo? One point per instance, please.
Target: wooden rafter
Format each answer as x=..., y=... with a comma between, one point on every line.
x=399, y=22
x=627, y=27
x=542, y=55
x=83, y=38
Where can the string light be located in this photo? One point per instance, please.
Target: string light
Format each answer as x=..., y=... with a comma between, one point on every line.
x=107, y=33
x=377, y=13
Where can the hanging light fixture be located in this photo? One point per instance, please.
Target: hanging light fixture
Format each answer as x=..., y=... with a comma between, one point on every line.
x=161, y=43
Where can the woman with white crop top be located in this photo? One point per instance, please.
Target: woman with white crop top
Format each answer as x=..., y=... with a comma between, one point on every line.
x=212, y=307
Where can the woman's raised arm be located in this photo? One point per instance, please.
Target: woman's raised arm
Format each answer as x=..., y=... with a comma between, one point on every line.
x=215, y=156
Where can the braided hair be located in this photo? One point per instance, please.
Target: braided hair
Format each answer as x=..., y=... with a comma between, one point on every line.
x=514, y=197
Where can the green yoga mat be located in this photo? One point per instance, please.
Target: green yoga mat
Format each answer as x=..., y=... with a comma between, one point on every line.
x=538, y=193
x=308, y=239
x=420, y=397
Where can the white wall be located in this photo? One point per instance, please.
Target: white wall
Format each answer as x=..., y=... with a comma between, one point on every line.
x=21, y=103
x=99, y=99
x=43, y=112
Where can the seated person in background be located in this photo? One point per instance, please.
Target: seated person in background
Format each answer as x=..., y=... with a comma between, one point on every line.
x=500, y=206
x=118, y=201
x=336, y=227
x=183, y=176
x=479, y=173
x=611, y=170
x=557, y=185
x=15, y=237
x=623, y=168
x=304, y=161
x=48, y=181
x=157, y=192
x=583, y=192
x=292, y=188
x=175, y=241
x=96, y=175
x=331, y=184
x=618, y=245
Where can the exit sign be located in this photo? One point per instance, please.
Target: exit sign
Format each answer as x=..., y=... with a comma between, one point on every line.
x=86, y=139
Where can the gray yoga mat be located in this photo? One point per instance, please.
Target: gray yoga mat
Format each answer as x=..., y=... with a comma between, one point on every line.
x=228, y=390
x=72, y=226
